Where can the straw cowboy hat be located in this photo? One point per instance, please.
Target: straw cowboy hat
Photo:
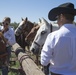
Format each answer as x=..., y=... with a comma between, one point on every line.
x=66, y=8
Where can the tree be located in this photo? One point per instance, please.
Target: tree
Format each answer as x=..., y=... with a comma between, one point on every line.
x=15, y=25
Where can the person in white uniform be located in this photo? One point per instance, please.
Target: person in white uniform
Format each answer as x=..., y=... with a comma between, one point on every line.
x=60, y=46
x=9, y=35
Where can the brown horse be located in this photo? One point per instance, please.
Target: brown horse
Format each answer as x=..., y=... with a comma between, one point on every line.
x=2, y=43
x=3, y=51
x=31, y=35
x=22, y=31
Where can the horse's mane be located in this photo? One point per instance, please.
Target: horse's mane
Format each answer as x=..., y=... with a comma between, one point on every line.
x=2, y=37
x=2, y=43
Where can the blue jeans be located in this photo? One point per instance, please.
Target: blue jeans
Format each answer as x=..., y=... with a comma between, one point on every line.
x=9, y=53
x=5, y=68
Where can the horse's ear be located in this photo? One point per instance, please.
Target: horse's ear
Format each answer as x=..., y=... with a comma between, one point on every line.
x=34, y=24
x=44, y=21
x=39, y=20
x=26, y=18
x=22, y=19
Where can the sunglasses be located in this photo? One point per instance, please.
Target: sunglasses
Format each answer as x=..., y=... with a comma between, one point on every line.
x=3, y=23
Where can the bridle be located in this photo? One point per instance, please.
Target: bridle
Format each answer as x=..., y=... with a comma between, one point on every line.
x=36, y=44
x=21, y=29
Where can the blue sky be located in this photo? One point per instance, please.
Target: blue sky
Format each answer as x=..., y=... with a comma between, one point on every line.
x=33, y=9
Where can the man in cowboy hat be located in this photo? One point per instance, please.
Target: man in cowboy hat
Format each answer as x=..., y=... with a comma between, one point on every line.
x=60, y=46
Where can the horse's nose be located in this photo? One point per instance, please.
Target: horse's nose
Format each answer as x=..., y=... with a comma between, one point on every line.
x=35, y=51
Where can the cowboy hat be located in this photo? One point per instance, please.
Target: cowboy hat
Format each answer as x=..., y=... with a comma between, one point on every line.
x=66, y=8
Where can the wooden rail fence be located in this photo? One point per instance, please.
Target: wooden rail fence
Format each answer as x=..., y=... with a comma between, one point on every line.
x=28, y=65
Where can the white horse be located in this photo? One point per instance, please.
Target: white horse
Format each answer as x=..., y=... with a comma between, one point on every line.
x=39, y=40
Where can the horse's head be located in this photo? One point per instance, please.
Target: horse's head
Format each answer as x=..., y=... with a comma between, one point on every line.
x=43, y=31
x=22, y=31
x=24, y=27
x=20, y=27
x=31, y=35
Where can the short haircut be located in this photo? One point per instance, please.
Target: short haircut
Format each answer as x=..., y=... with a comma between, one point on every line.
x=7, y=19
x=69, y=17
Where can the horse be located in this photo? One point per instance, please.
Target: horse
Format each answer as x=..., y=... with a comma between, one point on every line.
x=44, y=29
x=22, y=31
x=3, y=51
x=32, y=33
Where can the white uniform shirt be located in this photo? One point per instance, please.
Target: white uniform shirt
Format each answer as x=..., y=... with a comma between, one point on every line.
x=60, y=50
x=10, y=36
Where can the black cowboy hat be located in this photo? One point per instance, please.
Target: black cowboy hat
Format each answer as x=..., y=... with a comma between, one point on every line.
x=66, y=8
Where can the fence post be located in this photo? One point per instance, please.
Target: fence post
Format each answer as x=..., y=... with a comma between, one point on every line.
x=28, y=65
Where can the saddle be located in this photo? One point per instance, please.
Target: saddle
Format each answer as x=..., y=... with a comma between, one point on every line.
x=3, y=51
